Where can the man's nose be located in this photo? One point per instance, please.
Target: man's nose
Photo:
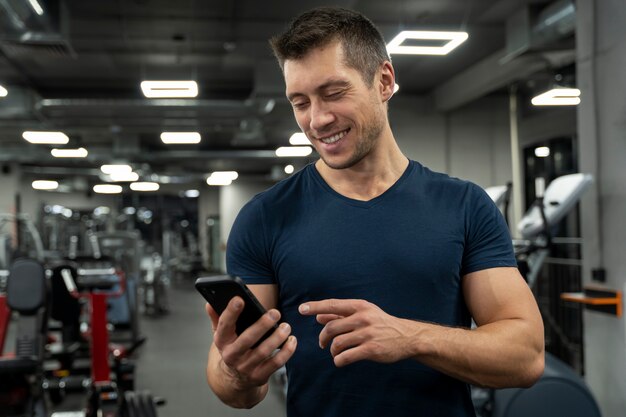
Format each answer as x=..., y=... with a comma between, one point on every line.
x=321, y=116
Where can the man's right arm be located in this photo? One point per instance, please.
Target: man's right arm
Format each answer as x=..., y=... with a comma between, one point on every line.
x=237, y=372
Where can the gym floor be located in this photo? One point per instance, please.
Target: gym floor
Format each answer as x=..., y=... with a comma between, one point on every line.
x=172, y=362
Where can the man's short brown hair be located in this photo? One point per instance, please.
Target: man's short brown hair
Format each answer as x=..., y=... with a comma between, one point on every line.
x=363, y=45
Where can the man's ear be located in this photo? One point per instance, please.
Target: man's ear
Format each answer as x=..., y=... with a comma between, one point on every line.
x=387, y=81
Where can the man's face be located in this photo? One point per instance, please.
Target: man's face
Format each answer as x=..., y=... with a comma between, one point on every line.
x=342, y=116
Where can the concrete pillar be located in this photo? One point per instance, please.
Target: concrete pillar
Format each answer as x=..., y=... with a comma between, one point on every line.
x=9, y=187
x=601, y=77
x=232, y=198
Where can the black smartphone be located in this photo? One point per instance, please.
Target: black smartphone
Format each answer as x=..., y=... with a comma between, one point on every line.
x=219, y=290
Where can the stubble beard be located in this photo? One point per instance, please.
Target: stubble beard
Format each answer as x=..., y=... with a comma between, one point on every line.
x=371, y=133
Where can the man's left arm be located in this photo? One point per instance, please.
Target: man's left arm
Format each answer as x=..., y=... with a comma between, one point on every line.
x=506, y=349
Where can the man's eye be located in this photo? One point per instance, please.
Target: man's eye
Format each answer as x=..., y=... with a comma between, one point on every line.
x=299, y=105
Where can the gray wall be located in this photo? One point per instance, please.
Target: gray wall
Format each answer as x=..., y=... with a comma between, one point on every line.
x=601, y=69
x=470, y=143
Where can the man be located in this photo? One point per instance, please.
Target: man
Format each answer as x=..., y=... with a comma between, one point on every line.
x=375, y=263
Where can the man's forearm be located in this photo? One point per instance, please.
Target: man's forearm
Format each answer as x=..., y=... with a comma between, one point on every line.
x=498, y=355
x=227, y=388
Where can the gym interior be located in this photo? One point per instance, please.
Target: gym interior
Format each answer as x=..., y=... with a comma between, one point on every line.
x=117, y=192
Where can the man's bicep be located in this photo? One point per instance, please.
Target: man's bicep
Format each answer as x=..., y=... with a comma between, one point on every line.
x=267, y=294
x=499, y=294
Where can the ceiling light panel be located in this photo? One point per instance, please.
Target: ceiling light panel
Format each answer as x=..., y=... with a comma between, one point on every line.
x=222, y=177
x=116, y=168
x=107, y=189
x=558, y=97
x=46, y=138
x=124, y=176
x=45, y=185
x=169, y=89
x=293, y=151
x=180, y=138
x=450, y=40
x=69, y=153
x=299, y=138
x=144, y=186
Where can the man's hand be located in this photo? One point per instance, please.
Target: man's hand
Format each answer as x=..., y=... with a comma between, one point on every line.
x=250, y=366
x=358, y=330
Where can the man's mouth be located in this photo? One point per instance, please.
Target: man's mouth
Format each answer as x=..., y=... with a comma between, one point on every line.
x=334, y=138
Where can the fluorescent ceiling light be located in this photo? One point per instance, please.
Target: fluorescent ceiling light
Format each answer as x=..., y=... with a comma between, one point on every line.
x=144, y=186
x=3, y=91
x=169, y=89
x=192, y=193
x=454, y=39
x=45, y=185
x=218, y=181
x=124, y=176
x=229, y=175
x=69, y=153
x=287, y=151
x=107, y=189
x=558, y=97
x=299, y=138
x=180, y=137
x=49, y=138
x=222, y=177
x=36, y=7
x=542, y=152
x=116, y=168
x=289, y=169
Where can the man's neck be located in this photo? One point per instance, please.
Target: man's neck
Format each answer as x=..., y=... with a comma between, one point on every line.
x=368, y=179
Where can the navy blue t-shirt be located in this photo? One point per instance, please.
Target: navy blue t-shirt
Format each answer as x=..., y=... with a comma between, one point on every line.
x=405, y=251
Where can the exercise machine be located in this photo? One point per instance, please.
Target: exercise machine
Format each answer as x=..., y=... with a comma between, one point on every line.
x=107, y=397
x=501, y=196
x=536, y=226
x=22, y=373
x=559, y=391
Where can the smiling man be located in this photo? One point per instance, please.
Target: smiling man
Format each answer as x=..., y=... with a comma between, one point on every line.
x=375, y=264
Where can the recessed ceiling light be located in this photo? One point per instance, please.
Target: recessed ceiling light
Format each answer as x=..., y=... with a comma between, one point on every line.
x=36, y=7
x=192, y=193
x=289, y=169
x=292, y=151
x=116, y=168
x=170, y=138
x=222, y=177
x=542, y=152
x=453, y=39
x=69, y=153
x=299, y=138
x=558, y=97
x=169, y=89
x=3, y=91
x=48, y=138
x=107, y=189
x=144, y=186
x=396, y=88
x=45, y=185
x=124, y=176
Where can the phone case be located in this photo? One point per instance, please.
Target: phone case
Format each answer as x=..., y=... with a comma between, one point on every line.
x=219, y=290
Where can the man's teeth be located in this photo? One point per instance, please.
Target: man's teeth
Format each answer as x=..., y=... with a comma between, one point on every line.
x=334, y=138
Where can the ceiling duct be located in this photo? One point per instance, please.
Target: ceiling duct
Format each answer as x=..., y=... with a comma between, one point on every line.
x=34, y=28
x=528, y=30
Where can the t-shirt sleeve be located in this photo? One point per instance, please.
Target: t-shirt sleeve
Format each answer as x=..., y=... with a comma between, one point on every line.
x=487, y=241
x=247, y=250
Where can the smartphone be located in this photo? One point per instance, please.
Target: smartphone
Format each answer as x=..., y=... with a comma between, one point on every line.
x=219, y=290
